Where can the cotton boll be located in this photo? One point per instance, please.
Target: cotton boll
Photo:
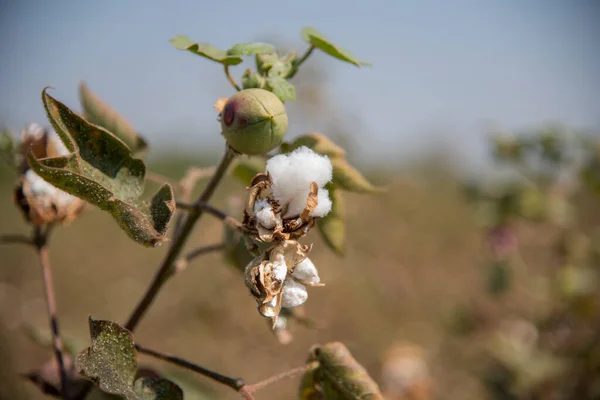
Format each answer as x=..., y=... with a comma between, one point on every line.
x=313, y=167
x=265, y=215
x=34, y=131
x=324, y=204
x=294, y=294
x=297, y=203
x=39, y=187
x=306, y=272
x=279, y=270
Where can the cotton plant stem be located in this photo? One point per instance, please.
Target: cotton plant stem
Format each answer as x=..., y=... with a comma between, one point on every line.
x=15, y=239
x=301, y=61
x=275, y=378
x=41, y=243
x=178, y=243
x=234, y=383
x=230, y=78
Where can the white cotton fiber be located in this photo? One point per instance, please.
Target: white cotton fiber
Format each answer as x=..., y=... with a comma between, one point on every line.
x=293, y=294
x=323, y=205
x=265, y=215
x=306, y=272
x=40, y=188
x=292, y=175
x=34, y=131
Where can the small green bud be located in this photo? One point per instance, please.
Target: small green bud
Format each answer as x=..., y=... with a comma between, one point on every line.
x=254, y=121
x=252, y=80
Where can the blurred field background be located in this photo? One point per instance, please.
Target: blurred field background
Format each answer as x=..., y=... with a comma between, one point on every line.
x=413, y=272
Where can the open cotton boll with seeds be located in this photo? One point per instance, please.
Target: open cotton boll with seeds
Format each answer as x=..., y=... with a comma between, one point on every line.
x=292, y=175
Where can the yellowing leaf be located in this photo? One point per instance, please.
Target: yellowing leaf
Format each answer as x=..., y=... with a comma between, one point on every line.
x=98, y=112
x=332, y=226
x=348, y=178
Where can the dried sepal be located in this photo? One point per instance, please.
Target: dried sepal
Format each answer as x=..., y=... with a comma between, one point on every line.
x=220, y=104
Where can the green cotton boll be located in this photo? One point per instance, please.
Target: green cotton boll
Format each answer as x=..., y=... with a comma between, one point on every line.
x=254, y=121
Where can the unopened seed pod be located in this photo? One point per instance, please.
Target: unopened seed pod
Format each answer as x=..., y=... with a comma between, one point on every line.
x=254, y=121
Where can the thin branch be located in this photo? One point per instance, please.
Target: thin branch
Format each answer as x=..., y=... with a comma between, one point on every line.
x=41, y=240
x=234, y=383
x=230, y=78
x=182, y=263
x=229, y=220
x=298, y=63
x=165, y=269
x=188, y=183
x=161, y=179
x=287, y=374
x=15, y=239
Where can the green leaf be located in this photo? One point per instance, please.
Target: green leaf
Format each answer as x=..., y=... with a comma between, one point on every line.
x=281, y=88
x=338, y=377
x=348, y=178
x=280, y=69
x=316, y=38
x=157, y=389
x=251, y=80
x=332, y=226
x=100, y=113
x=317, y=142
x=182, y=42
x=265, y=61
x=7, y=148
x=248, y=49
x=102, y=171
x=246, y=169
x=110, y=361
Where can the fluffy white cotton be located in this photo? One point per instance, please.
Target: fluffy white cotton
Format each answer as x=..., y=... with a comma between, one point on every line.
x=41, y=188
x=294, y=294
x=292, y=175
x=306, y=272
x=265, y=215
x=279, y=270
x=323, y=205
x=34, y=131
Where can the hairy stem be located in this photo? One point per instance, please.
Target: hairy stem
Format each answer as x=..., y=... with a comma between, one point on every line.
x=15, y=239
x=300, y=61
x=182, y=263
x=234, y=383
x=287, y=374
x=178, y=242
x=41, y=243
x=230, y=78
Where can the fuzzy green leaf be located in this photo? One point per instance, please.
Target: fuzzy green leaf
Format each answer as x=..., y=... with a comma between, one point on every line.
x=316, y=38
x=317, y=142
x=332, y=226
x=110, y=361
x=338, y=377
x=248, y=49
x=205, y=50
x=348, y=178
x=102, y=171
x=148, y=388
x=7, y=148
x=280, y=69
x=281, y=88
x=98, y=112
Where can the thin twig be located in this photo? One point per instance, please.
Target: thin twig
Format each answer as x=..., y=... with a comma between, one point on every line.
x=234, y=383
x=202, y=206
x=41, y=241
x=188, y=183
x=15, y=239
x=165, y=269
x=287, y=374
x=161, y=179
x=300, y=61
x=230, y=78
x=182, y=263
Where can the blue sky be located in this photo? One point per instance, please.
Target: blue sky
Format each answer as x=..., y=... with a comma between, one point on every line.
x=443, y=70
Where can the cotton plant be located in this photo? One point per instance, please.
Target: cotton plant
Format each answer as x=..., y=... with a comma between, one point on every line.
x=96, y=157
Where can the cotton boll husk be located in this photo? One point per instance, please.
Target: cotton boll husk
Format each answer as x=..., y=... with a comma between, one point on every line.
x=306, y=272
x=293, y=294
